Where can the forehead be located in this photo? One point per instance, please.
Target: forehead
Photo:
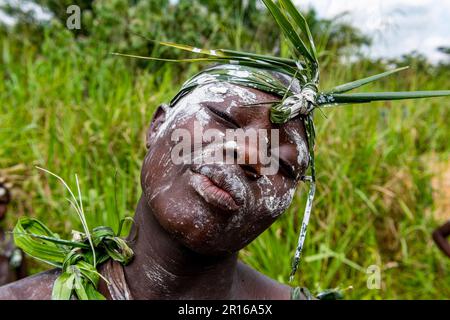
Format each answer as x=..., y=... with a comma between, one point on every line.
x=221, y=92
x=233, y=99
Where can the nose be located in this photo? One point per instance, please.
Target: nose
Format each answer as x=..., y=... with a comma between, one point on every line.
x=246, y=153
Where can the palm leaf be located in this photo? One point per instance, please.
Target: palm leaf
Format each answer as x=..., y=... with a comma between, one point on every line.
x=358, y=83
x=26, y=234
x=209, y=52
x=219, y=54
x=59, y=241
x=62, y=287
x=163, y=59
x=286, y=61
x=241, y=59
x=288, y=30
x=300, y=21
x=92, y=293
x=332, y=99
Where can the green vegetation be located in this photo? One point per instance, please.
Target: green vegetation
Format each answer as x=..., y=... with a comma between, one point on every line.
x=69, y=106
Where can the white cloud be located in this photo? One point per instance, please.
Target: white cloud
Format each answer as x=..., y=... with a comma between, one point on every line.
x=398, y=26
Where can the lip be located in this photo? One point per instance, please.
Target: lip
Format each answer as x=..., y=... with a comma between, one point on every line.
x=215, y=190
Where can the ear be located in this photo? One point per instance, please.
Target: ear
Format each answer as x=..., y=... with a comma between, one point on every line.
x=158, y=119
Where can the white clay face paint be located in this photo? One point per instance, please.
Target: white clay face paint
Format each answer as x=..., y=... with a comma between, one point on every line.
x=245, y=95
x=191, y=104
x=233, y=104
x=269, y=198
x=300, y=144
x=239, y=73
x=218, y=89
x=188, y=106
x=271, y=201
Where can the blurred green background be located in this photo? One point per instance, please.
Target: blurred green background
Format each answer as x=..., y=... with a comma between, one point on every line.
x=383, y=169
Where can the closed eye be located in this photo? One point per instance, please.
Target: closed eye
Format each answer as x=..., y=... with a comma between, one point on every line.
x=223, y=117
x=288, y=169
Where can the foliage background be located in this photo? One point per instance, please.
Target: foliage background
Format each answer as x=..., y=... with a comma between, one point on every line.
x=69, y=106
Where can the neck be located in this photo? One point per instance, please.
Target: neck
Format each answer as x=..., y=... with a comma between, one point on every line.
x=164, y=268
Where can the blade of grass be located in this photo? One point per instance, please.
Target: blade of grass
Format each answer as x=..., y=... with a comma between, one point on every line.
x=78, y=207
x=83, y=217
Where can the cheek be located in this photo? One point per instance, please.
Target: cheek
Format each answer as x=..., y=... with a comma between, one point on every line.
x=159, y=168
x=276, y=194
x=156, y=169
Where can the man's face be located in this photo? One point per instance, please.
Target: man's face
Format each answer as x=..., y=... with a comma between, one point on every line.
x=220, y=206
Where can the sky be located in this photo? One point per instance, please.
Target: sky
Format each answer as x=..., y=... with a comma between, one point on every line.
x=397, y=26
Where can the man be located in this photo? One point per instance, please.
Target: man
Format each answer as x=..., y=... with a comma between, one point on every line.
x=194, y=217
x=12, y=266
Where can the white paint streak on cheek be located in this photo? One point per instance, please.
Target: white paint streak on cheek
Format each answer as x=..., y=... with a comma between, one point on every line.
x=146, y=175
x=300, y=143
x=267, y=192
x=164, y=161
x=270, y=199
x=159, y=190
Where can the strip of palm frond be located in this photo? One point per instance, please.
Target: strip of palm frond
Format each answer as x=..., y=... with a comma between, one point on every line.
x=73, y=257
x=361, y=82
x=234, y=57
x=77, y=258
x=337, y=98
x=300, y=50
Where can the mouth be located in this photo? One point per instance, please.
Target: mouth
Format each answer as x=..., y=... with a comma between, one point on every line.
x=215, y=190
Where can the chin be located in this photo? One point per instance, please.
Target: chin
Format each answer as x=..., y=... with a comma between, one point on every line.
x=197, y=227
x=206, y=242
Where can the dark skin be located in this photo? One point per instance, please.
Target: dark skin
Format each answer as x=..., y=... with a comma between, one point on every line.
x=189, y=235
x=7, y=272
x=440, y=236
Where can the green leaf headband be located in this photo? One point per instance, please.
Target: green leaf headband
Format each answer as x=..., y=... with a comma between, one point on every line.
x=254, y=70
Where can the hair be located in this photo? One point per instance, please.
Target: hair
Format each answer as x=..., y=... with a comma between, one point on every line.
x=5, y=195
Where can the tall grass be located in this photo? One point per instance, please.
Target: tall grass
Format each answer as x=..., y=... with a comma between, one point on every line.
x=77, y=110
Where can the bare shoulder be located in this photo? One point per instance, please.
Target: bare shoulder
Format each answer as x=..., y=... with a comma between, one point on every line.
x=255, y=285
x=36, y=287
